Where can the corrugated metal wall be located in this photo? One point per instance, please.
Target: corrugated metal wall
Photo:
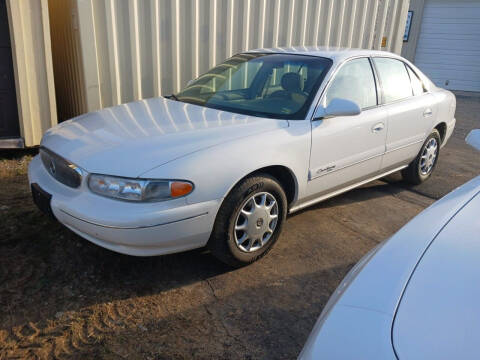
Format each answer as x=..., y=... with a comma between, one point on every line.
x=134, y=49
x=33, y=68
x=68, y=69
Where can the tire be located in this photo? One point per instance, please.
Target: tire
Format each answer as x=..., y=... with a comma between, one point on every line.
x=227, y=241
x=421, y=168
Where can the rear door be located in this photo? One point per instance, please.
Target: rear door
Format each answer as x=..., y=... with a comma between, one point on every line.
x=409, y=115
x=347, y=149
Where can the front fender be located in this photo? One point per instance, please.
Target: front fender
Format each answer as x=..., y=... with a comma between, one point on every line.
x=217, y=169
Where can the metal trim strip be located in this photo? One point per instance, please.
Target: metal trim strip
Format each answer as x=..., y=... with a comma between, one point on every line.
x=133, y=227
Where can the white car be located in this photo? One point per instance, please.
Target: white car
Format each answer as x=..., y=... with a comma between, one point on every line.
x=221, y=163
x=414, y=296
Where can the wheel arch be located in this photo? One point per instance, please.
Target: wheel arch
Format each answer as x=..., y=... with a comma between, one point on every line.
x=283, y=174
x=442, y=129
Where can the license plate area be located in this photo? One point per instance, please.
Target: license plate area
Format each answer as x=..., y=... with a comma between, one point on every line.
x=42, y=199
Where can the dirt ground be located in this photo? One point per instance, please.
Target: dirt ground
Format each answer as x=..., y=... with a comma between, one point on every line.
x=63, y=297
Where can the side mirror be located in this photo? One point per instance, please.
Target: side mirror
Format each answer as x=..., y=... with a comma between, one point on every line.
x=338, y=107
x=473, y=138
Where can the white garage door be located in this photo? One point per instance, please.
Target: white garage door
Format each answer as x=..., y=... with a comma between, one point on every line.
x=448, y=49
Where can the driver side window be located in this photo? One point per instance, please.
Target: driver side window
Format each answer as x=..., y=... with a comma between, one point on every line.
x=355, y=82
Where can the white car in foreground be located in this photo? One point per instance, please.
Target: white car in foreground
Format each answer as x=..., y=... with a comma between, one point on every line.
x=414, y=296
x=222, y=162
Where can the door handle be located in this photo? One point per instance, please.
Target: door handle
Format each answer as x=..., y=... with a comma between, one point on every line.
x=378, y=127
x=427, y=112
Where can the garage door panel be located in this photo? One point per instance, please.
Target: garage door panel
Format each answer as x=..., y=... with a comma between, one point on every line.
x=464, y=85
x=471, y=76
x=446, y=29
x=449, y=68
x=448, y=48
x=455, y=74
x=464, y=45
x=447, y=52
x=436, y=51
x=439, y=66
x=461, y=62
x=442, y=12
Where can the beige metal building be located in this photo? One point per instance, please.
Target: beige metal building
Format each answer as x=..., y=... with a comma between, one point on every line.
x=27, y=91
x=74, y=56
x=444, y=42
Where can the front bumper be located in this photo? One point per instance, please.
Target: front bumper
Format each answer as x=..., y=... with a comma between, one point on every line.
x=140, y=229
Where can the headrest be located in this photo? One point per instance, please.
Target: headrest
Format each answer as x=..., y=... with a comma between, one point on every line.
x=291, y=82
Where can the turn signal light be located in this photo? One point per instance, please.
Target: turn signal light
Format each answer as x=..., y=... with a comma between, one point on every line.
x=180, y=188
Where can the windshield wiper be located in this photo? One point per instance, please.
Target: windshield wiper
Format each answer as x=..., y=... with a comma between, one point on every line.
x=172, y=96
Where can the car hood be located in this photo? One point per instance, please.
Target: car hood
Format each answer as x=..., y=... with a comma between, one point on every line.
x=130, y=139
x=439, y=313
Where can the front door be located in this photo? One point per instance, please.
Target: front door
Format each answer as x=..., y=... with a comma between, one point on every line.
x=9, y=126
x=348, y=149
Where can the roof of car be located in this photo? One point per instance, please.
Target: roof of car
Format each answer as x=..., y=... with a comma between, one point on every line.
x=334, y=53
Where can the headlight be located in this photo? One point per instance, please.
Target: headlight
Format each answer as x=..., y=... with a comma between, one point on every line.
x=138, y=189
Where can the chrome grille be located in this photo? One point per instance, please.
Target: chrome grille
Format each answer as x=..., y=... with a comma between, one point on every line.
x=60, y=169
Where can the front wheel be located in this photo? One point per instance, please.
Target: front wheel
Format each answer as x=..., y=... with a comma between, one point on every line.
x=422, y=167
x=249, y=221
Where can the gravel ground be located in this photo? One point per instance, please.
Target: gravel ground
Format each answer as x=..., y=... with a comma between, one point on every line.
x=62, y=297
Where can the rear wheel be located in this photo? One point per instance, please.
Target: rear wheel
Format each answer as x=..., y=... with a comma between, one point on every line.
x=249, y=221
x=422, y=167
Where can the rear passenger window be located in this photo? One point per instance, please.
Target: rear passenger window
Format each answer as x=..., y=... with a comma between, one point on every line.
x=354, y=81
x=417, y=84
x=394, y=79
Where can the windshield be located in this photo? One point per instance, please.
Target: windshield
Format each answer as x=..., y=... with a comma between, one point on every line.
x=278, y=86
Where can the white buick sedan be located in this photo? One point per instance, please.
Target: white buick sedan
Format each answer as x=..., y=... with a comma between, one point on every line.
x=414, y=296
x=221, y=163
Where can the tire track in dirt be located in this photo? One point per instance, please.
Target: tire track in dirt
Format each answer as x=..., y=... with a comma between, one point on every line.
x=58, y=339
x=70, y=335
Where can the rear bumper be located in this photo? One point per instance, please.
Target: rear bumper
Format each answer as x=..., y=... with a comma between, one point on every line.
x=144, y=229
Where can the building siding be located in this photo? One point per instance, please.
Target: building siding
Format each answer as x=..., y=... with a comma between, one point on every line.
x=409, y=48
x=133, y=49
x=33, y=67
